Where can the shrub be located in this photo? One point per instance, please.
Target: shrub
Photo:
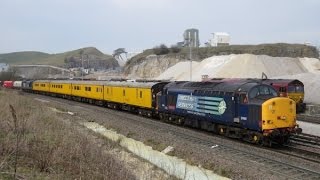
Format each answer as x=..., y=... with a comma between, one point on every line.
x=160, y=50
x=175, y=49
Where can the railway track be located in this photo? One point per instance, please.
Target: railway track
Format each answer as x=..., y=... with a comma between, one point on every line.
x=306, y=140
x=304, y=146
x=284, y=169
x=307, y=118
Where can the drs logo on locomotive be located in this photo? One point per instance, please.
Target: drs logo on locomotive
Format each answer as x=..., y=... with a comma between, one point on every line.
x=201, y=104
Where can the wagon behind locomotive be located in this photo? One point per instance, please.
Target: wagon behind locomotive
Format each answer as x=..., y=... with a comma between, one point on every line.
x=8, y=84
x=26, y=85
x=291, y=88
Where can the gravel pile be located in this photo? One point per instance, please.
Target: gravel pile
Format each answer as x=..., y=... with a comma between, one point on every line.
x=306, y=70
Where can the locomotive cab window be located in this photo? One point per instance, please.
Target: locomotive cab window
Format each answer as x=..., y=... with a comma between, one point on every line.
x=282, y=89
x=262, y=91
x=299, y=89
x=294, y=89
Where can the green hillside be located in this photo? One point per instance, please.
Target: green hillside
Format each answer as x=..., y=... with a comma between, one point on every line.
x=23, y=57
x=59, y=59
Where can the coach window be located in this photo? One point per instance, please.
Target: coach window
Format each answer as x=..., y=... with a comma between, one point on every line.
x=140, y=94
x=124, y=92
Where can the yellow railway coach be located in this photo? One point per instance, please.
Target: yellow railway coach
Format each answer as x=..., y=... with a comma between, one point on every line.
x=41, y=86
x=130, y=93
x=133, y=96
x=91, y=90
x=60, y=87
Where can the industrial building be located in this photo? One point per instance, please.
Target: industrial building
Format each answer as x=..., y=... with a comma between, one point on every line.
x=220, y=39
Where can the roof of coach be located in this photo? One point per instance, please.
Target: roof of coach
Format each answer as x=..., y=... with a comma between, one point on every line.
x=105, y=83
x=282, y=82
x=42, y=81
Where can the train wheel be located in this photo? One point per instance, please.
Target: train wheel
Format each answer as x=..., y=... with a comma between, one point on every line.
x=267, y=142
x=180, y=121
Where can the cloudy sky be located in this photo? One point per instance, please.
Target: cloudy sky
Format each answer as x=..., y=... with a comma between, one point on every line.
x=55, y=26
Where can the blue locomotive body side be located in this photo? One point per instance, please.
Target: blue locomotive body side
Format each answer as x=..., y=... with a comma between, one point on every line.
x=223, y=109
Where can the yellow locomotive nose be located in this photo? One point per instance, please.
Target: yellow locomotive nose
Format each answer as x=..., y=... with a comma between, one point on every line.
x=278, y=113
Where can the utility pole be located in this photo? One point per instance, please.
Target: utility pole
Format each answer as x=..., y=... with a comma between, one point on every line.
x=81, y=67
x=88, y=63
x=190, y=56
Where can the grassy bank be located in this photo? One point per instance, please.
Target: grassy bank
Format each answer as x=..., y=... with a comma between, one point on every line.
x=37, y=144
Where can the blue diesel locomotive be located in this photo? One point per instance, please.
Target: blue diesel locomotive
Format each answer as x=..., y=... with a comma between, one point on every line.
x=248, y=110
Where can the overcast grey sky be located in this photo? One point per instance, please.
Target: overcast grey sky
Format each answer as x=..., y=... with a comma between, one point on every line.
x=55, y=26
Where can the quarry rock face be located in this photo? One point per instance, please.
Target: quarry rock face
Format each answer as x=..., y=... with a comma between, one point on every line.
x=148, y=65
x=151, y=67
